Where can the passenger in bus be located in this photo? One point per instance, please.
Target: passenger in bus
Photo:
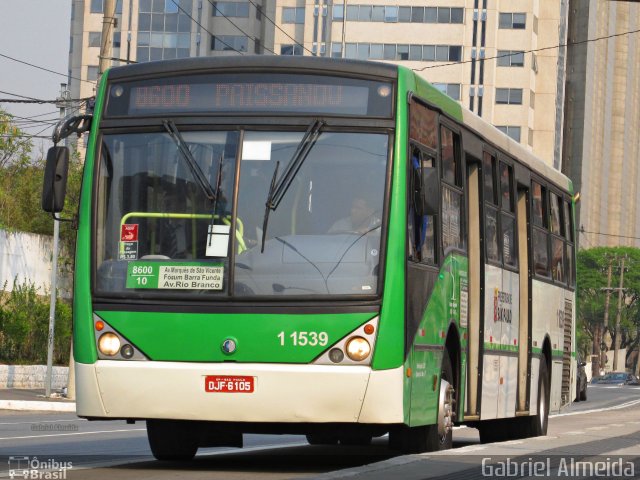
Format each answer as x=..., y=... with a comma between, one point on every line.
x=362, y=218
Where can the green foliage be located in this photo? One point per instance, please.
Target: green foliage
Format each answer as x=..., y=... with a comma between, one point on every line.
x=21, y=176
x=24, y=327
x=592, y=265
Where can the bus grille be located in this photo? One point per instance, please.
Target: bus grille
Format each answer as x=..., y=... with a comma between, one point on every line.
x=566, y=352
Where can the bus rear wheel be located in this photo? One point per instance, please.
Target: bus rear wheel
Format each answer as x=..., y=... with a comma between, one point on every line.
x=173, y=440
x=537, y=424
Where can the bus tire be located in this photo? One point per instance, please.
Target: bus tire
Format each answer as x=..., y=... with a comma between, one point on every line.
x=538, y=423
x=173, y=440
x=431, y=438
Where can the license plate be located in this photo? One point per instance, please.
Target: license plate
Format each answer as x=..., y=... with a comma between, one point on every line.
x=225, y=384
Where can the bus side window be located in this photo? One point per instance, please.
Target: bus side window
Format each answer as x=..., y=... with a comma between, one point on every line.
x=540, y=233
x=453, y=218
x=421, y=228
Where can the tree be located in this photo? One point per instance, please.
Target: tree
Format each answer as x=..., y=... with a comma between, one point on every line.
x=592, y=265
x=21, y=176
x=14, y=147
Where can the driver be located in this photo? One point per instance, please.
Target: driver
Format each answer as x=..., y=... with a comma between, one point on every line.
x=362, y=218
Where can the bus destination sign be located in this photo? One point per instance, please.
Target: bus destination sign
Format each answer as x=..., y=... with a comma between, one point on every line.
x=250, y=93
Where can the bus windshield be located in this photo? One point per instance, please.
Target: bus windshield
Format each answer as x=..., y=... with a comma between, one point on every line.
x=158, y=233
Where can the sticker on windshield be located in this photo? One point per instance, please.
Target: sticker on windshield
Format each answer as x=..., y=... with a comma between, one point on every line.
x=175, y=276
x=128, y=242
x=256, y=150
x=218, y=241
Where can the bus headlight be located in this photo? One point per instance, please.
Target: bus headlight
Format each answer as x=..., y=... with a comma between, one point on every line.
x=358, y=349
x=109, y=344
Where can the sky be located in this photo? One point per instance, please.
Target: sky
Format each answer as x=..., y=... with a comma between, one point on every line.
x=37, y=32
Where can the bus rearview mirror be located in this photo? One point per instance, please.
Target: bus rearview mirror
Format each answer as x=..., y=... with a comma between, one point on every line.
x=54, y=186
x=430, y=191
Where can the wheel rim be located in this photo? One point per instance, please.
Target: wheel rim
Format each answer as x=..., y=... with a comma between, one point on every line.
x=445, y=410
x=542, y=411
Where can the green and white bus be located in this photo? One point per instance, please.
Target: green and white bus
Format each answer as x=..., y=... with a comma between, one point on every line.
x=313, y=246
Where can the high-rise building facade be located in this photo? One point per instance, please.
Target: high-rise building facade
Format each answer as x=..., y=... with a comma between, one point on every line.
x=476, y=51
x=601, y=152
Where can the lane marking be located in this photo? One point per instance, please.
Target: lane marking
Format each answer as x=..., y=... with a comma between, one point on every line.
x=545, y=437
x=75, y=433
x=577, y=432
x=598, y=428
x=456, y=451
x=597, y=410
x=44, y=421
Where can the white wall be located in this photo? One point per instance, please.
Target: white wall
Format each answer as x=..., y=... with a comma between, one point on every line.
x=27, y=258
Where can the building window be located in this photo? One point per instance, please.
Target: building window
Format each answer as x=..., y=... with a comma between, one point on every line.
x=391, y=14
x=510, y=58
x=513, y=132
x=164, y=30
x=92, y=73
x=402, y=14
x=117, y=39
x=96, y=6
x=230, y=9
x=95, y=39
x=516, y=21
x=509, y=96
x=451, y=89
x=290, y=49
x=338, y=12
x=336, y=50
x=229, y=43
x=292, y=14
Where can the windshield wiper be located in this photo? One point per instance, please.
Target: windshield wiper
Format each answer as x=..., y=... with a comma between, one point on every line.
x=197, y=172
x=279, y=188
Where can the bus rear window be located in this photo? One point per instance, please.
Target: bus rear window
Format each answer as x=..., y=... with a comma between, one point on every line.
x=250, y=93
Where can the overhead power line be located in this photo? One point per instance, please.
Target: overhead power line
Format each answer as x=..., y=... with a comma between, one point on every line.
x=45, y=69
x=25, y=99
x=568, y=44
x=278, y=27
x=582, y=230
x=241, y=30
x=202, y=27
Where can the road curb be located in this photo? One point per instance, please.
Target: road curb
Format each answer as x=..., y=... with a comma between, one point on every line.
x=24, y=405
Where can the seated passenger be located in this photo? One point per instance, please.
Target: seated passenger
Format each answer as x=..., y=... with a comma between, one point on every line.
x=361, y=219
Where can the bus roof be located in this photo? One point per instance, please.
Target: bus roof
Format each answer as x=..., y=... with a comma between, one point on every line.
x=302, y=64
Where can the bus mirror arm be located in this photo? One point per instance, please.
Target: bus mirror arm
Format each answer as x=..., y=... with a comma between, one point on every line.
x=430, y=191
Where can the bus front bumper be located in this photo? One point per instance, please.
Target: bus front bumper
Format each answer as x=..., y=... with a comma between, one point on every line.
x=283, y=393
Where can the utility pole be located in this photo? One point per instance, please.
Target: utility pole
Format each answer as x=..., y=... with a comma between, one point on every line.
x=61, y=103
x=344, y=29
x=599, y=360
x=620, y=293
x=108, y=24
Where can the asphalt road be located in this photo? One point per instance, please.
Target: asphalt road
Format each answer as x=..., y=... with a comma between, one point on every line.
x=117, y=450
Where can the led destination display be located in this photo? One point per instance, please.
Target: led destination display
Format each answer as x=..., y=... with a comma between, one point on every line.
x=272, y=93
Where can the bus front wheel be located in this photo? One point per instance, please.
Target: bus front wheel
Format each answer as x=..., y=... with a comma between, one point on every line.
x=429, y=438
x=173, y=440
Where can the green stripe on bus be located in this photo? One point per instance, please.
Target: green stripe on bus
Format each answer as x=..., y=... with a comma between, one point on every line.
x=84, y=346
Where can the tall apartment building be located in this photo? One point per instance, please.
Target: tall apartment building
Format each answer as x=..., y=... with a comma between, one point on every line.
x=454, y=43
x=602, y=124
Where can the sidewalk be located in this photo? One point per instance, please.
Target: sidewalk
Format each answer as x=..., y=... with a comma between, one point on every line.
x=34, y=400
